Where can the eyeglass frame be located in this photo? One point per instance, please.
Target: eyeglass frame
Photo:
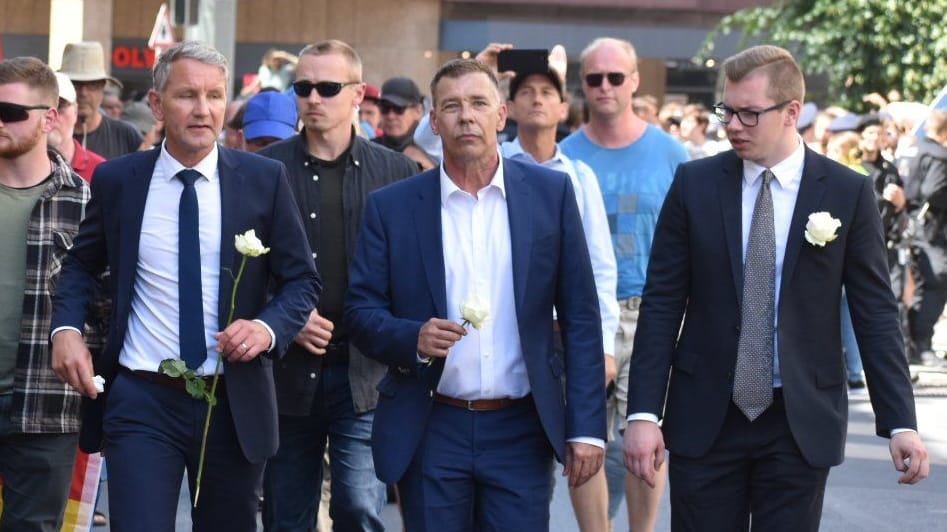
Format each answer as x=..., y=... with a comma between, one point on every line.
x=602, y=76
x=15, y=107
x=385, y=107
x=721, y=109
x=308, y=86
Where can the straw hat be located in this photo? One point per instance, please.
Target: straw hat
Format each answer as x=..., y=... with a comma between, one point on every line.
x=85, y=61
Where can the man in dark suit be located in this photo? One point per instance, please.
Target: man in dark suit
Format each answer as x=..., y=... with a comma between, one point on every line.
x=468, y=421
x=163, y=222
x=755, y=244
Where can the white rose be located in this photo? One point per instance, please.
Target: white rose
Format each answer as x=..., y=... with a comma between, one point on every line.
x=248, y=244
x=99, y=383
x=474, y=311
x=822, y=228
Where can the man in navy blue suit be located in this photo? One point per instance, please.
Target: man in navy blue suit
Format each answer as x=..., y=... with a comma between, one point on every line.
x=163, y=222
x=751, y=251
x=469, y=419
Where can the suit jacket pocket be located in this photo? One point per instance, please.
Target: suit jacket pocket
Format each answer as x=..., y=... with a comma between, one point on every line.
x=684, y=361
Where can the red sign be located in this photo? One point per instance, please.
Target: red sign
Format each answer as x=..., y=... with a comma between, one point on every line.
x=133, y=57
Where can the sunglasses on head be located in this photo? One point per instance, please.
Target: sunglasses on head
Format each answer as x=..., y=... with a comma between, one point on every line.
x=326, y=89
x=615, y=79
x=14, y=112
x=386, y=107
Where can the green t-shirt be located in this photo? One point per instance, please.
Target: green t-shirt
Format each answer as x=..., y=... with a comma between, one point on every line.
x=16, y=205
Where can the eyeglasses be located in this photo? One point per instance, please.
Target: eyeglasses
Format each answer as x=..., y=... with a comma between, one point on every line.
x=14, y=112
x=386, y=107
x=615, y=79
x=326, y=89
x=746, y=117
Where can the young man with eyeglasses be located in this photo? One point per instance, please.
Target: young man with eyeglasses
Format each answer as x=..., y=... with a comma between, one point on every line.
x=42, y=202
x=739, y=334
x=635, y=163
x=325, y=386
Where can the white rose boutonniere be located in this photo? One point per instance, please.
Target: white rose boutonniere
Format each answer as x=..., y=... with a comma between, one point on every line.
x=822, y=228
x=474, y=312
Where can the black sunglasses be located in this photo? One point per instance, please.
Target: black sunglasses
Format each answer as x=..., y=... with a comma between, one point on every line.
x=326, y=89
x=615, y=79
x=747, y=117
x=14, y=112
x=386, y=107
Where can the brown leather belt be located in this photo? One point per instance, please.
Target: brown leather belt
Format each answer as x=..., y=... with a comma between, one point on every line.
x=172, y=382
x=478, y=405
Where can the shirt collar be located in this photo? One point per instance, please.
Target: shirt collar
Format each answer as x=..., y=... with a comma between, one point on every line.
x=206, y=166
x=448, y=187
x=787, y=171
x=513, y=149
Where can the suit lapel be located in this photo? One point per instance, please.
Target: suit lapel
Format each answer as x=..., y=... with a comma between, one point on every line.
x=231, y=183
x=811, y=189
x=520, y=212
x=134, y=196
x=731, y=202
x=427, y=221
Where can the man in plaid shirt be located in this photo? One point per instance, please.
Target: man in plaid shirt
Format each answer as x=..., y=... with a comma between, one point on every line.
x=42, y=202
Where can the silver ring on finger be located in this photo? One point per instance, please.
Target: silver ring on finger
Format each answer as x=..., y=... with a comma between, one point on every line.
x=245, y=347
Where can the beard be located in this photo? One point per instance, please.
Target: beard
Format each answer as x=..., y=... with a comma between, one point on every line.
x=11, y=148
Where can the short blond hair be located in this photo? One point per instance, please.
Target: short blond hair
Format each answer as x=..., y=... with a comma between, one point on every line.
x=621, y=44
x=335, y=46
x=781, y=69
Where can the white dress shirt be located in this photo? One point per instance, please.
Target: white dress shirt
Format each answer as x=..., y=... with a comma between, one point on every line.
x=153, y=323
x=475, y=232
x=588, y=195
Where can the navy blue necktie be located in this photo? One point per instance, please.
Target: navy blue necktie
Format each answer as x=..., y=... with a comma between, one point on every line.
x=190, y=295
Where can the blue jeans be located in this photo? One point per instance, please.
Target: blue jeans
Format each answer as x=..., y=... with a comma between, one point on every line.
x=293, y=479
x=853, y=359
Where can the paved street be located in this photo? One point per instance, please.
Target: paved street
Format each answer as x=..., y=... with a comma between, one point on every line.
x=862, y=495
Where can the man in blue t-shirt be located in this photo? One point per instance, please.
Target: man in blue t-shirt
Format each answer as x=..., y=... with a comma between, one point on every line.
x=635, y=163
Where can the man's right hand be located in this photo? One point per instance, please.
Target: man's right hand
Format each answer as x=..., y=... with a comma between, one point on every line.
x=72, y=362
x=316, y=334
x=644, y=449
x=437, y=336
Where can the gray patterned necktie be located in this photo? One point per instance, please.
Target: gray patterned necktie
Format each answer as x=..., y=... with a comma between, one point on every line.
x=753, y=379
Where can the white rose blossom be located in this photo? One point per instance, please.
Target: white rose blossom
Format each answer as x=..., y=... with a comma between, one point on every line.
x=99, y=383
x=474, y=311
x=822, y=228
x=248, y=244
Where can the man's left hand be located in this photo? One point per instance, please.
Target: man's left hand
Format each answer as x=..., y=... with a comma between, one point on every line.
x=583, y=460
x=910, y=457
x=242, y=341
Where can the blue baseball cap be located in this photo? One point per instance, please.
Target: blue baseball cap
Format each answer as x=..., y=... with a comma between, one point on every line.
x=806, y=116
x=270, y=114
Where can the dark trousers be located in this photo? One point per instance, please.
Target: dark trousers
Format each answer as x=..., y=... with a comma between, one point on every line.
x=483, y=471
x=292, y=484
x=152, y=435
x=930, y=296
x=37, y=472
x=754, y=475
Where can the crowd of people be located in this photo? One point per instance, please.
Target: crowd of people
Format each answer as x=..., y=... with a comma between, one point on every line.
x=456, y=291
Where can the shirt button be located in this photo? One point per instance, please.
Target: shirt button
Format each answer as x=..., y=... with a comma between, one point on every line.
x=312, y=215
x=314, y=255
x=315, y=177
x=312, y=375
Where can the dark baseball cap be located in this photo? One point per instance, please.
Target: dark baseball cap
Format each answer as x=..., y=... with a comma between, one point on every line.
x=402, y=92
x=550, y=74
